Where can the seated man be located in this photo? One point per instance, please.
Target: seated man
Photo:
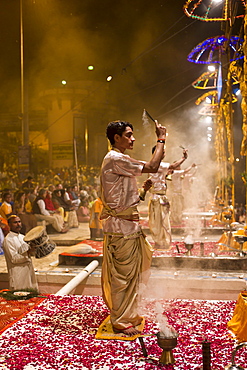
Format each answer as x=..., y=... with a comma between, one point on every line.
x=83, y=212
x=28, y=220
x=72, y=196
x=42, y=214
x=69, y=213
x=28, y=184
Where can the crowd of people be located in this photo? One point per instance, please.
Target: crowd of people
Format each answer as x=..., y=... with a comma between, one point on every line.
x=83, y=175
x=53, y=199
x=48, y=201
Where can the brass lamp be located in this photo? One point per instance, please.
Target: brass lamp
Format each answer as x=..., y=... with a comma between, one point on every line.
x=233, y=366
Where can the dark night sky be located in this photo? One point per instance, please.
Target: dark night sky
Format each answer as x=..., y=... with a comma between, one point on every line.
x=151, y=40
x=142, y=44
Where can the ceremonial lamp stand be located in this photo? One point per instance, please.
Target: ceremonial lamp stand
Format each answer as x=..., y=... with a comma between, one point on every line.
x=233, y=366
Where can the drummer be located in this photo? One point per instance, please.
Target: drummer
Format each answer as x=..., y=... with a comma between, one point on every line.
x=18, y=258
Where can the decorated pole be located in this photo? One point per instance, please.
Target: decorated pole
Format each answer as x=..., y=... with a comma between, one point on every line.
x=76, y=165
x=243, y=88
x=243, y=104
x=229, y=47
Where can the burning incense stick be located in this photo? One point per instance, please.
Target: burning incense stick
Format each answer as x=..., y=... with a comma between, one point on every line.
x=148, y=115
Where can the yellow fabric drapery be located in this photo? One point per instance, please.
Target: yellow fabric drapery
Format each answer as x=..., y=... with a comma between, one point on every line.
x=125, y=269
x=238, y=323
x=105, y=331
x=227, y=239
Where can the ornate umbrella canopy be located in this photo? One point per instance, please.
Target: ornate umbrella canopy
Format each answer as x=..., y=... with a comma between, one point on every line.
x=213, y=10
x=210, y=50
x=209, y=110
x=212, y=96
x=208, y=80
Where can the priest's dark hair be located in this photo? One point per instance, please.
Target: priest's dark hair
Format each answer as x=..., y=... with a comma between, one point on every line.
x=116, y=127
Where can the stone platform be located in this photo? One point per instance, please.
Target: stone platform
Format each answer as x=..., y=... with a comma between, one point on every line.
x=178, y=262
x=176, y=257
x=175, y=276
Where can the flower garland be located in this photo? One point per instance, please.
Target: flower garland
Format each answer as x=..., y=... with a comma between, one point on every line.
x=19, y=294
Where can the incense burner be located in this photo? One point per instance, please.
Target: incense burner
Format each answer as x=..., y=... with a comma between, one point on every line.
x=167, y=344
x=188, y=246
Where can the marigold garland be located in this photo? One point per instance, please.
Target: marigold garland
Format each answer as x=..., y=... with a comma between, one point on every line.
x=10, y=295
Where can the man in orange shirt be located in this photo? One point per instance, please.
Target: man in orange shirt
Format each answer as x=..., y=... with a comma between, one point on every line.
x=6, y=207
x=95, y=224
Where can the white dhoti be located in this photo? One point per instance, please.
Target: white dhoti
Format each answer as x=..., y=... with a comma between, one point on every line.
x=177, y=206
x=159, y=221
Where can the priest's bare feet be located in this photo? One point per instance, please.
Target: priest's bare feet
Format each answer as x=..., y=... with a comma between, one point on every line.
x=129, y=331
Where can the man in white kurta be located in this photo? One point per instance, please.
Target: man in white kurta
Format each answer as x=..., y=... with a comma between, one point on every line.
x=159, y=209
x=159, y=206
x=127, y=255
x=18, y=260
x=177, y=201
